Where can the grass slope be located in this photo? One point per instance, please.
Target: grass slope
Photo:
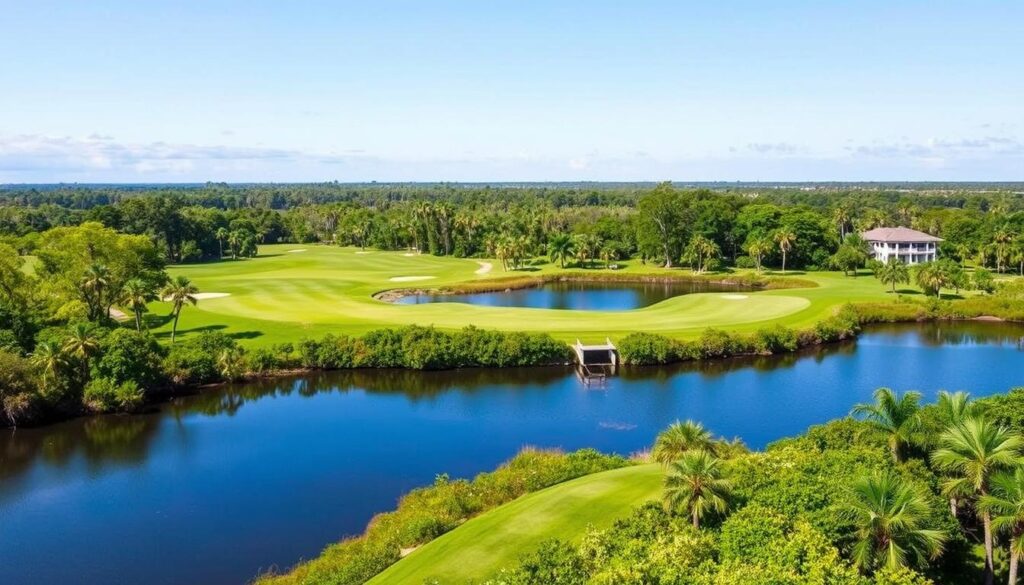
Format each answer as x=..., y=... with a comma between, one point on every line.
x=485, y=544
x=285, y=295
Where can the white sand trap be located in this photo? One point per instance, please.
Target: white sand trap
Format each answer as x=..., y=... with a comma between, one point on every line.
x=410, y=254
x=485, y=267
x=296, y=251
x=206, y=295
x=734, y=297
x=410, y=278
x=363, y=252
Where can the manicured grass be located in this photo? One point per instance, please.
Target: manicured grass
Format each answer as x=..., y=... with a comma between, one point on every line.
x=285, y=295
x=485, y=544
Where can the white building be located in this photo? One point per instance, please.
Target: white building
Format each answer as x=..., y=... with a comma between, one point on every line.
x=910, y=246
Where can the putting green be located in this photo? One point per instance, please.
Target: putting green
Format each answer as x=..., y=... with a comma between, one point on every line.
x=284, y=296
x=483, y=545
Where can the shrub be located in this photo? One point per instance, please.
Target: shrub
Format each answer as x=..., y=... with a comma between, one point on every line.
x=645, y=349
x=194, y=361
x=106, y=395
x=775, y=339
x=19, y=392
x=129, y=356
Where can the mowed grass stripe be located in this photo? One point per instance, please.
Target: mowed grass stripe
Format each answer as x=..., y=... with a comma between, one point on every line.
x=484, y=545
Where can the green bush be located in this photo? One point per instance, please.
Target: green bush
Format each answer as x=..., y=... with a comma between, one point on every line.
x=129, y=356
x=106, y=395
x=646, y=349
x=194, y=361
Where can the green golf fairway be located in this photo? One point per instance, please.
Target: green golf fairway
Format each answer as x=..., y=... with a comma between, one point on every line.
x=293, y=291
x=496, y=539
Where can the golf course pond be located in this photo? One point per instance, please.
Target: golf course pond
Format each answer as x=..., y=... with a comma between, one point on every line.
x=220, y=486
x=576, y=295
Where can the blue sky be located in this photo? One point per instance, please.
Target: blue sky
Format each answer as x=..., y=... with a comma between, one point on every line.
x=510, y=90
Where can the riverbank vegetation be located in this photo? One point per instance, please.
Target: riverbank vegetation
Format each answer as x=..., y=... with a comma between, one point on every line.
x=897, y=494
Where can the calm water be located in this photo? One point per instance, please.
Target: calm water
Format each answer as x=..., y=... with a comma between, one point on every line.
x=214, y=488
x=579, y=296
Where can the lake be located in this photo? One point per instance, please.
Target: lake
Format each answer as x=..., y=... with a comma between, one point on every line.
x=216, y=487
x=577, y=296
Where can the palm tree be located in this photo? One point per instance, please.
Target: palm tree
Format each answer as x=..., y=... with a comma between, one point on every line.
x=931, y=278
x=94, y=282
x=178, y=292
x=1001, y=246
x=81, y=343
x=701, y=251
x=973, y=451
x=893, y=272
x=608, y=253
x=136, y=296
x=679, y=438
x=1005, y=504
x=897, y=416
x=955, y=407
x=50, y=360
x=695, y=483
x=222, y=236
x=890, y=516
x=757, y=248
x=560, y=247
x=841, y=216
x=784, y=237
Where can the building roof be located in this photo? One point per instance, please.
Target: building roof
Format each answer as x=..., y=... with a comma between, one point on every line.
x=898, y=234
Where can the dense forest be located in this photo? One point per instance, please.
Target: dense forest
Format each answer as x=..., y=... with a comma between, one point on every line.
x=662, y=223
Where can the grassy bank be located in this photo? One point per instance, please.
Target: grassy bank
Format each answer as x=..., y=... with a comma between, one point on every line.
x=481, y=546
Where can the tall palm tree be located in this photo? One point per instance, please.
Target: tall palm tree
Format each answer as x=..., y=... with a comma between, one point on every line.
x=679, y=438
x=897, y=416
x=137, y=295
x=179, y=292
x=94, y=283
x=973, y=451
x=890, y=516
x=81, y=343
x=785, y=237
x=893, y=272
x=842, y=216
x=695, y=484
x=560, y=247
x=222, y=236
x=1005, y=504
x=50, y=360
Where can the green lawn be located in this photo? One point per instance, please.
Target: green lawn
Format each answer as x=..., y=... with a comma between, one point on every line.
x=293, y=291
x=491, y=541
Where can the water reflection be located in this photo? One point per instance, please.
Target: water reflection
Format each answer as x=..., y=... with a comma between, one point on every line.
x=578, y=296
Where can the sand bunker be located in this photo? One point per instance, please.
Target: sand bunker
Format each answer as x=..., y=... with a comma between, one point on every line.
x=409, y=278
x=410, y=254
x=734, y=297
x=296, y=251
x=485, y=267
x=202, y=296
x=363, y=252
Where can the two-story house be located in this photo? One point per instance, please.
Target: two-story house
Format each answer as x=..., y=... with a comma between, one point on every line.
x=910, y=246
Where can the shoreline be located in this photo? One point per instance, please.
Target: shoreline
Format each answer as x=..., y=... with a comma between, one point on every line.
x=168, y=394
x=747, y=283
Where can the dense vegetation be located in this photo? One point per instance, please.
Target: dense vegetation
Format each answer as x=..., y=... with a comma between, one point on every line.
x=898, y=494
x=746, y=226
